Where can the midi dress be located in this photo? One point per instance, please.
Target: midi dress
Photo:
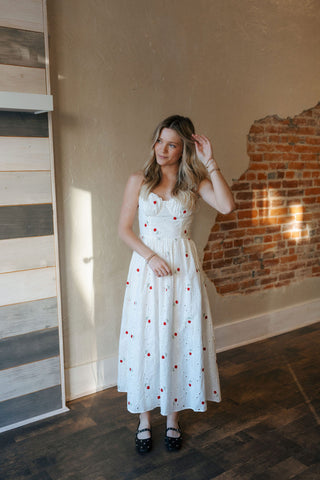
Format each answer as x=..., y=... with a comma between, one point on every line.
x=167, y=354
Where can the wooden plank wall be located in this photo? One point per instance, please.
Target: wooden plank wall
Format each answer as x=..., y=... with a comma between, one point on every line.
x=31, y=378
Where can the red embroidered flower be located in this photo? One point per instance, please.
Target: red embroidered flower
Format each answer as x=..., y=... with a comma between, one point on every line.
x=176, y=366
x=121, y=361
x=189, y=384
x=145, y=224
x=188, y=289
x=148, y=387
x=138, y=269
x=189, y=321
x=184, y=211
x=214, y=392
x=187, y=255
x=177, y=301
x=154, y=229
x=178, y=269
x=175, y=399
x=127, y=283
x=128, y=403
x=127, y=332
x=175, y=334
x=185, y=231
x=206, y=317
x=161, y=389
x=204, y=349
x=149, y=354
x=164, y=323
x=202, y=403
x=158, y=397
x=174, y=218
x=203, y=369
x=149, y=321
x=150, y=288
x=162, y=357
x=190, y=353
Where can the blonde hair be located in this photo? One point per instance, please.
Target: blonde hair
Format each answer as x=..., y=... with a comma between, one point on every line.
x=191, y=170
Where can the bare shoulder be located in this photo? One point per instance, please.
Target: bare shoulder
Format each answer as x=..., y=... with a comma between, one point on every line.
x=134, y=183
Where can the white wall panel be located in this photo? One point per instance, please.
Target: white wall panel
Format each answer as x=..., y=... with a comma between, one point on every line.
x=25, y=188
x=27, y=285
x=24, y=14
x=24, y=153
x=26, y=253
x=22, y=79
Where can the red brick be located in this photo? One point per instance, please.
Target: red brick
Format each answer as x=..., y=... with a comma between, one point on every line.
x=276, y=212
x=241, y=186
x=228, y=226
x=244, y=195
x=247, y=214
x=256, y=157
x=228, y=288
x=312, y=191
x=290, y=258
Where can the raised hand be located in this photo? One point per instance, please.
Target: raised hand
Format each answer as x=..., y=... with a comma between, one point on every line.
x=203, y=148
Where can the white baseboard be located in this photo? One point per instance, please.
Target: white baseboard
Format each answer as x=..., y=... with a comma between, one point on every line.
x=249, y=330
x=95, y=376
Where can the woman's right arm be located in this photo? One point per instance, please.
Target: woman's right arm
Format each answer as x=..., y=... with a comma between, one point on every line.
x=127, y=214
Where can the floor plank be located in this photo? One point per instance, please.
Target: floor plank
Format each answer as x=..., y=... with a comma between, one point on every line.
x=267, y=427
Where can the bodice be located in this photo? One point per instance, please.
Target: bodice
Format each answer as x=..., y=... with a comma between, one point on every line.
x=161, y=219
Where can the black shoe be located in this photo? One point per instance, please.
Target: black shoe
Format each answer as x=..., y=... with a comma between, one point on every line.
x=143, y=445
x=173, y=443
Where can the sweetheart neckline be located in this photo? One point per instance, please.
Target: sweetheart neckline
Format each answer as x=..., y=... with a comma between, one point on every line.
x=153, y=193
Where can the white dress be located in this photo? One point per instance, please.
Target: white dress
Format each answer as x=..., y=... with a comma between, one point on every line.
x=167, y=353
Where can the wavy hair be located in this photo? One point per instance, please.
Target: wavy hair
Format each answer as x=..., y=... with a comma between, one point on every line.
x=191, y=170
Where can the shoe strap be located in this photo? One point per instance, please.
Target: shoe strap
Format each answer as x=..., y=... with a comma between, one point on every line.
x=144, y=430
x=175, y=429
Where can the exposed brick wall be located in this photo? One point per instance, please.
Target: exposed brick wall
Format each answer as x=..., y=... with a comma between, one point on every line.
x=273, y=238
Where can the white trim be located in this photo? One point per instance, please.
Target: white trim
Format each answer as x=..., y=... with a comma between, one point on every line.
x=54, y=208
x=33, y=419
x=95, y=376
x=249, y=330
x=26, y=102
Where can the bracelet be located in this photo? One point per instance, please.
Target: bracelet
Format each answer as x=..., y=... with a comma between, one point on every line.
x=149, y=258
x=214, y=170
x=209, y=161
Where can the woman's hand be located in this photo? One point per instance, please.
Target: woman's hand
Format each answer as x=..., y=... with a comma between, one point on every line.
x=159, y=266
x=203, y=148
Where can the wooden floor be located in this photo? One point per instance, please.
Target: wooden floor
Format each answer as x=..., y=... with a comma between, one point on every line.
x=267, y=426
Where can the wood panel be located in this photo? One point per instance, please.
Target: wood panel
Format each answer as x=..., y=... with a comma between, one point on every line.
x=24, y=154
x=13, y=124
x=19, y=188
x=28, y=317
x=26, y=221
x=24, y=14
x=27, y=285
x=22, y=79
x=29, y=378
x=28, y=406
x=28, y=348
x=26, y=253
x=21, y=47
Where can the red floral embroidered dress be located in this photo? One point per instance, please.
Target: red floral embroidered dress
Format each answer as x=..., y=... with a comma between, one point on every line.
x=167, y=353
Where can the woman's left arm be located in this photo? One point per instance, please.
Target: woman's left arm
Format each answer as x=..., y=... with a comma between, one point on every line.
x=215, y=192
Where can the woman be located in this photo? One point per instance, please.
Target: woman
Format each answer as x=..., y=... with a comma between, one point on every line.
x=167, y=353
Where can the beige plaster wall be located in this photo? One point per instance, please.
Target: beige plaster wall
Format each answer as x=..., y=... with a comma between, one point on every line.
x=118, y=67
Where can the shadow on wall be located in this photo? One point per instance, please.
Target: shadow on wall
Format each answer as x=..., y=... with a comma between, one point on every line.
x=273, y=238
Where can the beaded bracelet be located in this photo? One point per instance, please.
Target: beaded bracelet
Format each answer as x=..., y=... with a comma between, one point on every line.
x=149, y=258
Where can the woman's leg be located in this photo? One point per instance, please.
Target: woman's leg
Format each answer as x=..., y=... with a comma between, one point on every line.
x=172, y=421
x=145, y=422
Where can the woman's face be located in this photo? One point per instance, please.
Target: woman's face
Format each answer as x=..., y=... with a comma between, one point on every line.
x=168, y=148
